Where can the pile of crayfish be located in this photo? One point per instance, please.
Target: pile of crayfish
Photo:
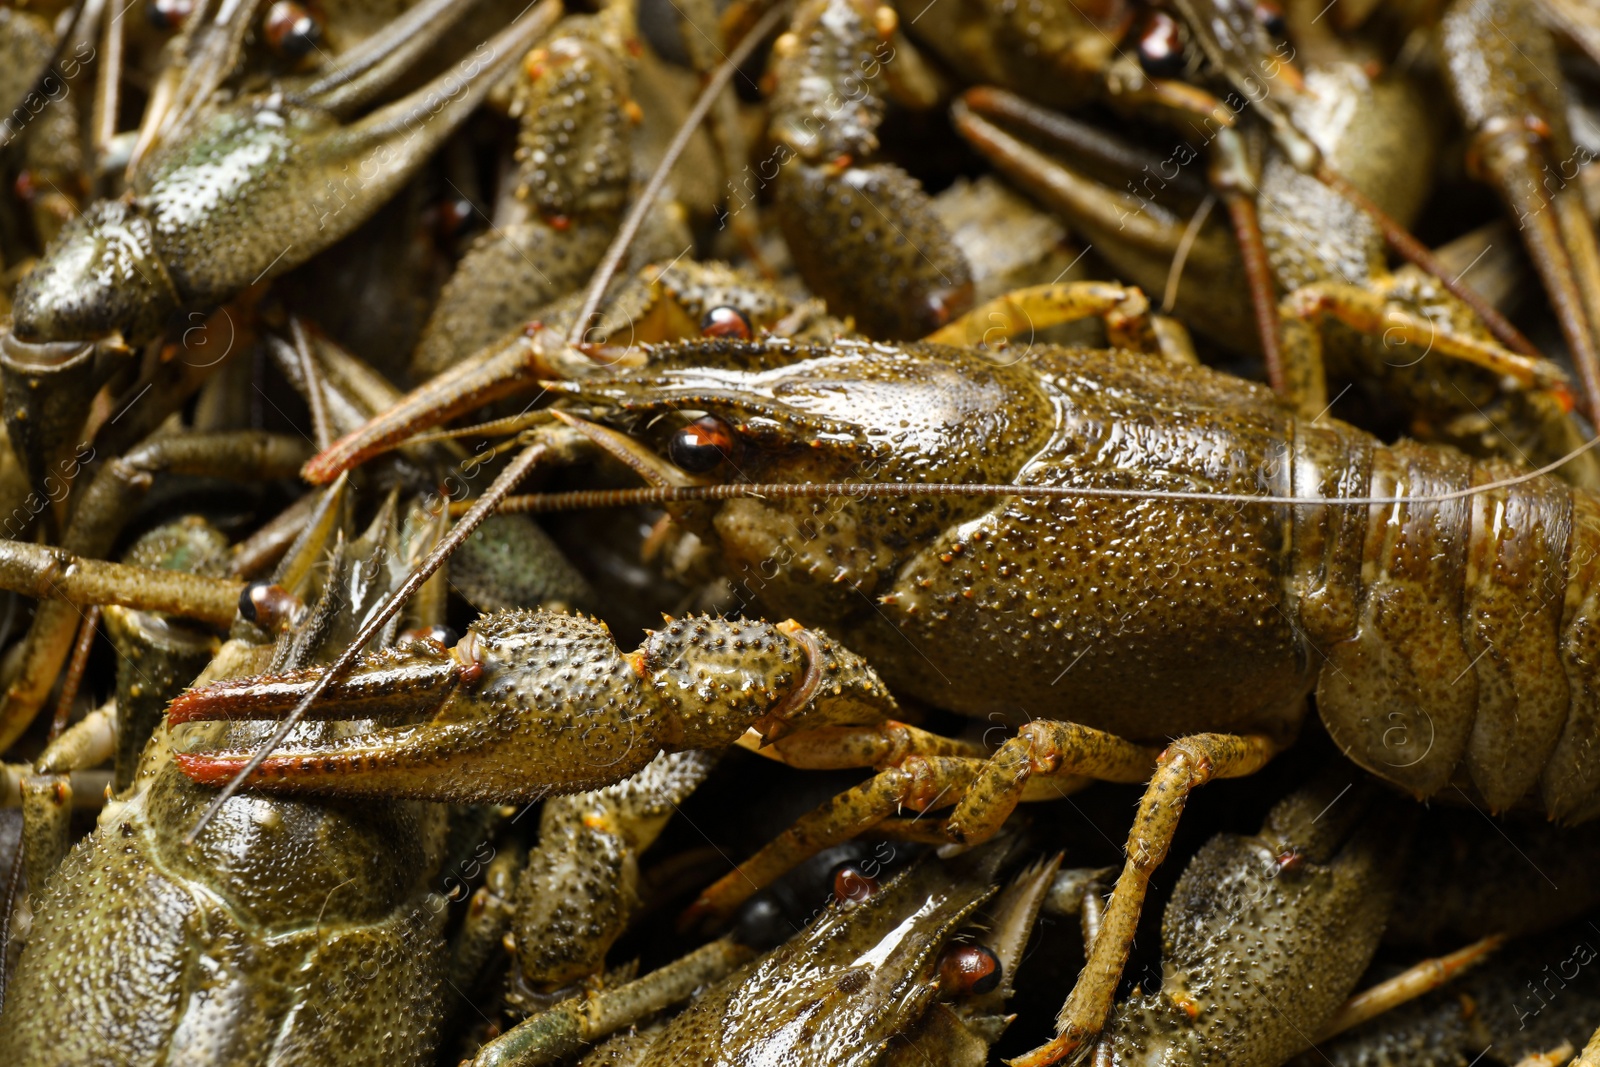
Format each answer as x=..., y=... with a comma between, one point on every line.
x=800, y=532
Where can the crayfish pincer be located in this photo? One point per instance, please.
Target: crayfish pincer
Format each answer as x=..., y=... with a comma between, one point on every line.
x=528, y=702
x=270, y=175
x=248, y=190
x=1154, y=562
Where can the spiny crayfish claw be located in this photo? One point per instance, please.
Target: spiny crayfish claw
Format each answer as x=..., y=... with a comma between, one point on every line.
x=276, y=175
x=390, y=686
x=533, y=703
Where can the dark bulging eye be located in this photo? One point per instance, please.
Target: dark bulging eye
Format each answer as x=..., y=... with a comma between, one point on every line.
x=762, y=924
x=702, y=445
x=268, y=606
x=851, y=885
x=1161, y=46
x=966, y=970
x=291, y=30
x=726, y=321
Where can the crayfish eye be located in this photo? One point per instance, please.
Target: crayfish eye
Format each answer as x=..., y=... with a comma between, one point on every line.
x=1161, y=46
x=269, y=606
x=726, y=321
x=168, y=14
x=851, y=885
x=761, y=924
x=965, y=970
x=291, y=30
x=701, y=446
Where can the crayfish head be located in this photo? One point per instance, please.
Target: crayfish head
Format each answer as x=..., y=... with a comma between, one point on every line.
x=100, y=276
x=871, y=969
x=761, y=412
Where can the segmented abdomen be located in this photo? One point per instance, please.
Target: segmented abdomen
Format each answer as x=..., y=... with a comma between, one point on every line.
x=1459, y=637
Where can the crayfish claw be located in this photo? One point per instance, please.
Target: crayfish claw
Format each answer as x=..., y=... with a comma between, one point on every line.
x=526, y=704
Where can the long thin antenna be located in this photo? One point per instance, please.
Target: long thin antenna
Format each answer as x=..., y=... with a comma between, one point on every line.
x=680, y=140
x=480, y=510
x=580, y=499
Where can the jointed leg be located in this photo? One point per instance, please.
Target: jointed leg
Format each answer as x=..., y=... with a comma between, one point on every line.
x=1519, y=138
x=923, y=772
x=1186, y=764
x=920, y=783
x=1368, y=312
x=573, y=1025
x=1124, y=309
x=1046, y=750
x=884, y=744
x=1406, y=986
x=1235, y=180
